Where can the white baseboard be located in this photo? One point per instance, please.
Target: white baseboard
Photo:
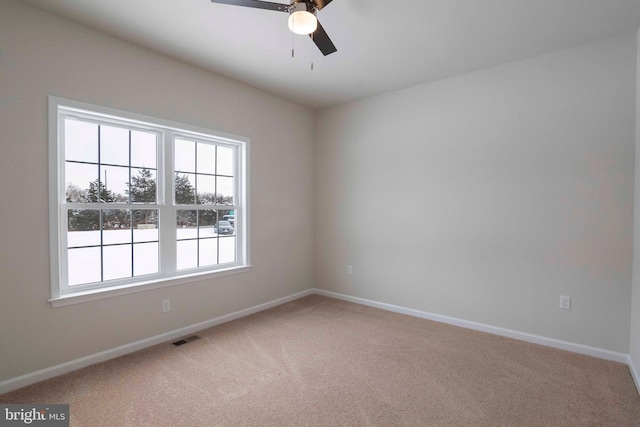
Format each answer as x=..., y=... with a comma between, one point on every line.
x=54, y=371
x=522, y=336
x=63, y=368
x=634, y=373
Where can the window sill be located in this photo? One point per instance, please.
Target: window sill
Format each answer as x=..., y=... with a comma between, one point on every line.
x=97, y=294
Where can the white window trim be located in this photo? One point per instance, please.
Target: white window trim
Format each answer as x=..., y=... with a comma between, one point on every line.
x=57, y=191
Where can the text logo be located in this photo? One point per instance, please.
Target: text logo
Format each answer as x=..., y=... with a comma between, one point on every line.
x=34, y=415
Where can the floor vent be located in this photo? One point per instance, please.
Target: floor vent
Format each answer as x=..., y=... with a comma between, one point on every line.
x=186, y=340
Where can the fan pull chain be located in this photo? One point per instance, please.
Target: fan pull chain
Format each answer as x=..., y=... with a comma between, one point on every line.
x=312, y=36
x=292, y=49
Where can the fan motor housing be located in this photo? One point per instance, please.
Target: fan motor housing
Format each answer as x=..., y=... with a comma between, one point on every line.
x=303, y=5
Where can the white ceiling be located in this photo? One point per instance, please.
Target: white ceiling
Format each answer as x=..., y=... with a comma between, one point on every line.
x=382, y=45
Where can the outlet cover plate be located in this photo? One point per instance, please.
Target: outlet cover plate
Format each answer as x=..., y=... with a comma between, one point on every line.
x=565, y=302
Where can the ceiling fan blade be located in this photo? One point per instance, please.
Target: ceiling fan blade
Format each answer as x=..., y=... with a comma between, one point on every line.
x=321, y=3
x=255, y=4
x=322, y=40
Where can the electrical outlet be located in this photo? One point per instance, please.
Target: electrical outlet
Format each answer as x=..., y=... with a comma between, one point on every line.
x=565, y=302
x=349, y=270
x=166, y=305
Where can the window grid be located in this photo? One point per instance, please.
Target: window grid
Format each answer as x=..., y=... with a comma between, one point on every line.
x=198, y=205
x=112, y=210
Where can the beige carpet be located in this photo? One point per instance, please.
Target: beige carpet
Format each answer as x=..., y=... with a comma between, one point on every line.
x=323, y=362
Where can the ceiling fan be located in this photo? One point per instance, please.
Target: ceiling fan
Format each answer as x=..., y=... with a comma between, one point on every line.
x=302, y=18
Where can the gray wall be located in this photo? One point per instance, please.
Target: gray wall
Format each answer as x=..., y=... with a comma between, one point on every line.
x=487, y=196
x=635, y=311
x=42, y=55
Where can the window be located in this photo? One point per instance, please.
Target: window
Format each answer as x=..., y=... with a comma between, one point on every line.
x=138, y=203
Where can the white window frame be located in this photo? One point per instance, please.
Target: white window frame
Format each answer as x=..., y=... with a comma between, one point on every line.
x=61, y=293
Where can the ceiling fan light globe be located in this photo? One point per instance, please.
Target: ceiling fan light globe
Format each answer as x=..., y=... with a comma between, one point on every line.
x=303, y=22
